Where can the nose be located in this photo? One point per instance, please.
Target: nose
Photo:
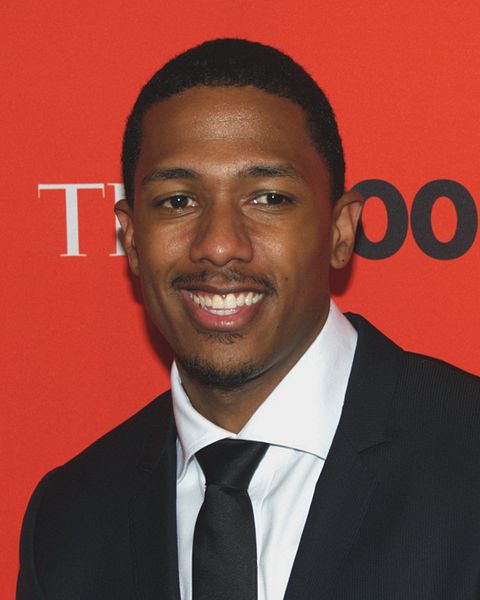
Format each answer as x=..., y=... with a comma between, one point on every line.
x=221, y=236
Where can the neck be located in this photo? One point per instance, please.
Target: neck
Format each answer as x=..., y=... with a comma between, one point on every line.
x=229, y=409
x=232, y=408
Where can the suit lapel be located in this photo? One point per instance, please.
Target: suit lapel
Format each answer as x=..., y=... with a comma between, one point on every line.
x=152, y=513
x=347, y=482
x=341, y=498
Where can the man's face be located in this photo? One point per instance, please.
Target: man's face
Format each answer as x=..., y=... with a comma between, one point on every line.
x=233, y=231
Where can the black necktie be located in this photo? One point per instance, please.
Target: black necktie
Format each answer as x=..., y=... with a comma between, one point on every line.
x=224, y=545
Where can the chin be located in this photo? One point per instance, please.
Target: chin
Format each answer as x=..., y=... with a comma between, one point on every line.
x=225, y=377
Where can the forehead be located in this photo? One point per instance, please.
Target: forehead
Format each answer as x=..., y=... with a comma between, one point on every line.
x=230, y=107
x=227, y=123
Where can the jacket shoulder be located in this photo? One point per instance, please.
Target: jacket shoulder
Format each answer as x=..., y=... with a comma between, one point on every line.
x=440, y=372
x=121, y=442
x=432, y=375
x=411, y=391
x=123, y=446
x=78, y=506
x=449, y=396
x=108, y=465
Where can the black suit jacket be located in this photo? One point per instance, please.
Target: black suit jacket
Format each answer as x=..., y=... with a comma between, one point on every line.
x=395, y=514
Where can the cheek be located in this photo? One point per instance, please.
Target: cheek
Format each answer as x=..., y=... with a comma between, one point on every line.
x=302, y=256
x=157, y=250
x=153, y=261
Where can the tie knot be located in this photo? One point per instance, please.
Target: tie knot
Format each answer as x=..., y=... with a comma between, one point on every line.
x=230, y=462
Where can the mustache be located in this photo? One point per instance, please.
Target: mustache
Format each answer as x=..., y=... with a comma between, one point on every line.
x=224, y=276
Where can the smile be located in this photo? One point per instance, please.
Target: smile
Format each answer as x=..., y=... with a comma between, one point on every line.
x=228, y=311
x=224, y=304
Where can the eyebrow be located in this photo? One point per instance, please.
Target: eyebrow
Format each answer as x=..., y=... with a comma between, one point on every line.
x=275, y=170
x=169, y=173
x=255, y=171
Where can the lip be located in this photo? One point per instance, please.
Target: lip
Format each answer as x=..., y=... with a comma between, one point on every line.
x=237, y=319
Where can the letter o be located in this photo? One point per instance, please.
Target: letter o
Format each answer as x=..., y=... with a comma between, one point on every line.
x=421, y=219
x=397, y=220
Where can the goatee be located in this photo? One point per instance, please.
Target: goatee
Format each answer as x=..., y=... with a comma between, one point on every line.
x=225, y=378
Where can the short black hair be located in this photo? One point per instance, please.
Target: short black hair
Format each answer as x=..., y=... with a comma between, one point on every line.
x=238, y=62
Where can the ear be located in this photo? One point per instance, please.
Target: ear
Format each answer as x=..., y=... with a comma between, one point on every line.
x=125, y=216
x=346, y=216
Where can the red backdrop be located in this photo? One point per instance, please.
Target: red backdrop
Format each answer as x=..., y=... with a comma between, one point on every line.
x=78, y=356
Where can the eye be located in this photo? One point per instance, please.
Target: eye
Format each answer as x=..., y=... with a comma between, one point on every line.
x=272, y=199
x=178, y=202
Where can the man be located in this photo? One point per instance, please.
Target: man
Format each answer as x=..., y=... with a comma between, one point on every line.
x=364, y=482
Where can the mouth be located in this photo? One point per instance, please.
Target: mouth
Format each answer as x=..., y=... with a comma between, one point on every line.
x=225, y=304
x=227, y=311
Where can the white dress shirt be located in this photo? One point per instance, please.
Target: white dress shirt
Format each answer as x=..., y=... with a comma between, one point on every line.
x=298, y=420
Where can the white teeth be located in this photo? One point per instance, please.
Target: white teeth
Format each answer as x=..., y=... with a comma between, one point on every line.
x=225, y=304
x=217, y=302
x=230, y=301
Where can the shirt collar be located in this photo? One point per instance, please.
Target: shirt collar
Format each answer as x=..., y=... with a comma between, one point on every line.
x=302, y=412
